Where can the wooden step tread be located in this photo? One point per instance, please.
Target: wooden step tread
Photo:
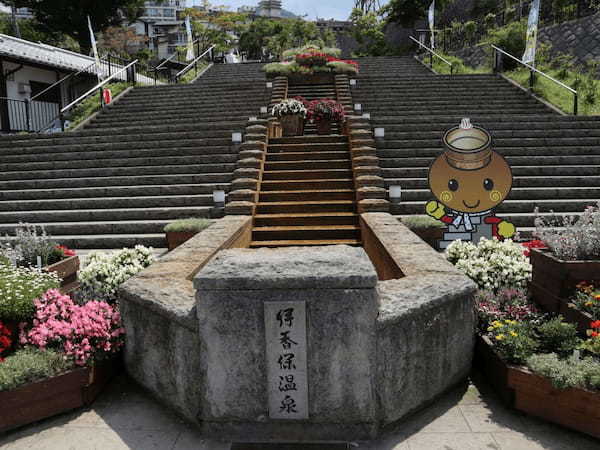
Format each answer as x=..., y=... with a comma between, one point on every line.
x=315, y=202
x=304, y=161
x=307, y=180
x=308, y=191
x=307, y=171
x=307, y=228
x=301, y=243
x=321, y=214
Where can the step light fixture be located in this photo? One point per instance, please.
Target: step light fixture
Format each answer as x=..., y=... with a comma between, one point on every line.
x=269, y=84
x=219, y=199
x=357, y=107
x=353, y=82
x=236, y=138
x=264, y=110
x=366, y=116
x=252, y=118
x=395, y=193
x=379, y=133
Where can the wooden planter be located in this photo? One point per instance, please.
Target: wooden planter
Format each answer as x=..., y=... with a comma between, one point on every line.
x=176, y=238
x=574, y=408
x=577, y=317
x=46, y=398
x=292, y=125
x=431, y=235
x=67, y=271
x=323, y=127
x=554, y=280
x=316, y=78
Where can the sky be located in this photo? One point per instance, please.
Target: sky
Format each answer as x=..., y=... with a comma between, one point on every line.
x=324, y=9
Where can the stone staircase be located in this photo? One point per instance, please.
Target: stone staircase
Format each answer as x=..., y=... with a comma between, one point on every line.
x=154, y=156
x=555, y=159
x=307, y=194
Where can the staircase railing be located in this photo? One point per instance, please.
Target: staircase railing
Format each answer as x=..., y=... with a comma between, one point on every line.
x=432, y=53
x=193, y=64
x=499, y=53
x=126, y=73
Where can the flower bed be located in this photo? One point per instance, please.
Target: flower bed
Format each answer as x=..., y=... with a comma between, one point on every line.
x=181, y=231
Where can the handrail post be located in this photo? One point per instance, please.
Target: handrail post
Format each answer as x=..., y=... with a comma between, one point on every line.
x=575, y=103
x=431, y=60
x=61, y=117
x=531, y=79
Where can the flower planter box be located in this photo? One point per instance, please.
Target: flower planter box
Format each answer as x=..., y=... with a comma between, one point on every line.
x=67, y=271
x=553, y=280
x=574, y=408
x=577, y=317
x=316, y=78
x=292, y=125
x=176, y=238
x=46, y=398
x=430, y=235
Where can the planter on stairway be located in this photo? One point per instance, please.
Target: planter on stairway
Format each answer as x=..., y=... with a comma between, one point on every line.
x=323, y=127
x=67, y=271
x=181, y=231
x=46, y=398
x=554, y=280
x=292, y=125
x=575, y=408
x=291, y=114
x=323, y=112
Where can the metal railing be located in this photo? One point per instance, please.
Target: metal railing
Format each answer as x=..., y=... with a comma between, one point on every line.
x=432, y=54
x=128, y=72
x=193, y=64
x=498, y=53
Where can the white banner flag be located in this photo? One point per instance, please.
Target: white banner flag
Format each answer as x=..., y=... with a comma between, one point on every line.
x=532, y=32
x=431, y=19
x=190, y=40
x=95, y=49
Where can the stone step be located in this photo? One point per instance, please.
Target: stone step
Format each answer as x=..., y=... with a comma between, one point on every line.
x=301, y=185
x=522, y=171
x=304, y=243
x=300, y=156
x=300, y=195
x=530, y=182
x=528, y=193
x=323, y=139
x=501, y=142
x=307, y=165
x=296, y=219
x=305, y=207
x=285, y=175
x=513, y=206
x=305, y=232
x=532, y=152
x=514, y=161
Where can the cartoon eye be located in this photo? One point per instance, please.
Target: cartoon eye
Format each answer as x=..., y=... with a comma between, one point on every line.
x=488, y=184
x=453, y=185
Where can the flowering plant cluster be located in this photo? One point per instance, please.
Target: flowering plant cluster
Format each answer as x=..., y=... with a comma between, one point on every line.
x=506, y=304
x=587, y=298
x=5, y=340
x=325, y=110
x=514, y=340
x=66, y=251
x=105, y=272
x=19, y=287
x=311, y=59
x=290, y=106
x=30, y=243
x=571, y=238
x=536, y=243
x=592, y=344
x=83, y=332
x=492, y=264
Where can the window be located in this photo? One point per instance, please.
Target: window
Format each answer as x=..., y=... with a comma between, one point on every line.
x=51, y=96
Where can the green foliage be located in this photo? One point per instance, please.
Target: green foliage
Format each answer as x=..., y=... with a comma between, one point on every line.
x=311, y=47
x=92, y=104
x=489, y=21
x=29, y=365
x=342, y=67
x=470, y=29
x=192, y=74
x=19, y=287
x=483, y=7
x=70, y=17
x=558, y=336
x=368, y=29
x=514, y=341
x=458, y=65
x=567, y=373
x=407, y=12
x=188, y=225
x=31, y=30
x=421, y=222
x=511, y=39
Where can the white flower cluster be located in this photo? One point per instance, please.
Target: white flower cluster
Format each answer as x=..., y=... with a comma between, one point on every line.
x=492, y=264
x=289, y=106
x=572, y=238
x=105, y=272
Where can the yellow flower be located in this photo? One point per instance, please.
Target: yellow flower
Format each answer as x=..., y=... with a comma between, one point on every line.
x=513, y=334
x=497, y=324
x=511, y=322
x=500, y=337
x=589, y=303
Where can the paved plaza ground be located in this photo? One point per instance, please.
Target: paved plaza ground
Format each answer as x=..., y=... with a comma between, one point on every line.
x=468, y=418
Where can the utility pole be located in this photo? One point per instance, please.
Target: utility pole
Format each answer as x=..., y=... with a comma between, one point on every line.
x=15, y=23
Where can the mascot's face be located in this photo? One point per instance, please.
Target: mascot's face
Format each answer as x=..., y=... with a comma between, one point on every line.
x=470, y=191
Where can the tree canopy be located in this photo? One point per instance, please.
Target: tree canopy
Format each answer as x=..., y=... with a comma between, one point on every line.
x=216, y=25
x=69, y=17
x=407, y=12
x=368, y=30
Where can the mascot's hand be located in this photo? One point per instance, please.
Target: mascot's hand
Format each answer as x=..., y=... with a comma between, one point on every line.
x=506, y=229
x=435, y=209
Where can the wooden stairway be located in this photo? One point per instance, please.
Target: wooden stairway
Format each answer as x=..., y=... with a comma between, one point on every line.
x=307, y=194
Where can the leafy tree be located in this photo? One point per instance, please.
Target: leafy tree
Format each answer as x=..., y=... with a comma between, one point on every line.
x=69, y=17
x=369, y=32
x=407, y=12
x=121, y=41
x=216, y=25
x=30, y=31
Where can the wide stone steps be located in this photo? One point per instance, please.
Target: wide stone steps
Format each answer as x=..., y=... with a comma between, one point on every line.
x=513, y=206
x=530, y=182
x=516, y=193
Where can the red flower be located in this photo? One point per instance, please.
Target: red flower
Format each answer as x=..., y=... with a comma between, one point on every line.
x=536, y=243
x=595, y=325
x=66, y=250
x=594, y=334
x=5, y=341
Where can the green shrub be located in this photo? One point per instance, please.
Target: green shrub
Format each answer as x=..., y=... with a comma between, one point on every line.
x=342, y=67
x=470, y=28
x=511, y=39
x=514, y=341
x=29, y=365
x=557, y=336
x=285, y=69
x=422, y=222
x=19, y=287
x=92, y=104
x=311, y=47
x=188, y=225
x=567, y=373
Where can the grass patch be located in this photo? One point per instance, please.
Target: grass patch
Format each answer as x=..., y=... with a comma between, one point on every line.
x=458, y=66
x=92, y=104
x=188, y=225
x=30, y=365
x=558, y=96
x=421, y=222
x=192, y=74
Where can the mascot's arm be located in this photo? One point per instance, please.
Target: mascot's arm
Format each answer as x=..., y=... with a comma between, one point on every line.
x=501, y=229
x=436, y=210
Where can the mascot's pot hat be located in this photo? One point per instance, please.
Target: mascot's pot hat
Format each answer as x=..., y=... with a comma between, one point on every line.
x=468, y=147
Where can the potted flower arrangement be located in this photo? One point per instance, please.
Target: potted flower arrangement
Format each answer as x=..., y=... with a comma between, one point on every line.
x=182, y=230
x=311, y=59
x=323, y=112
x=584, y=306
x=31, y=247
x=291, y=114
x=572, y=255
